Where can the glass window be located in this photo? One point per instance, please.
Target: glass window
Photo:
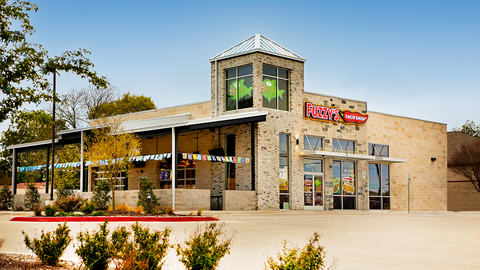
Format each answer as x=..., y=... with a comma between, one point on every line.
x=230, y=167
x=313, y=165
x=343, y=146
x=379, y=186
x=239, y=88
x=344, y=186
x=284, y=186
x=185, y=174
x=312, y=143
x=379, y=150
x=275, y=88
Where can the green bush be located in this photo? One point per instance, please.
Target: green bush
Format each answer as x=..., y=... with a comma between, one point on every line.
x=49, y=248
x=70, y=204
x=145, y=251
x=50, y=210
x=101, y=195
x=98, y=213
x=32, y=197
x=6, y=198
x=87, y=208
x=204, y=249
x=62, y=214
x=309, y=257
x=146, y=188
x=65, y=188
x=94, y=248
x=19, y=208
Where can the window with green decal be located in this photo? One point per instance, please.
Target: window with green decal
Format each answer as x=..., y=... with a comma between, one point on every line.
x=239, y=88
x=275, y=88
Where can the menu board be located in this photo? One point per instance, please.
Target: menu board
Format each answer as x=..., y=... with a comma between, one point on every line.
x=308, y=199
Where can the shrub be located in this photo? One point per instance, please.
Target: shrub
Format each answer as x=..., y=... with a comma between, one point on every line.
x=100, y=196
x=169, y=210
x=145, y=251
x=19, y=208
x=50, y=210
x=98, y=213
x=37, y=210
x=94, y=248
x=49, y=248
x=204, y=249
x=199, y=212
x=62, y=214
x=87, y=208
x=32, y=197
x=146, y=189
x=70, y=204
x=65, y=188
x=6, y=198
x=139, y=209
x=123, y=207
x=309, y=257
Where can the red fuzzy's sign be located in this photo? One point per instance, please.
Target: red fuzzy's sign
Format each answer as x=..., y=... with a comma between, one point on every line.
x=333, y=114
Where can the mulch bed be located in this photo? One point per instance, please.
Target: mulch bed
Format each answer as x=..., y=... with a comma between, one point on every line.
x=19, y=261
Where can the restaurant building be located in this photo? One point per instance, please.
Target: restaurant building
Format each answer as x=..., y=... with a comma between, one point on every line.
x=264, y=143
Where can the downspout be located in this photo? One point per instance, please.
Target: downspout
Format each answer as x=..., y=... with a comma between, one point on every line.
x=82, y=163
x=216, y=89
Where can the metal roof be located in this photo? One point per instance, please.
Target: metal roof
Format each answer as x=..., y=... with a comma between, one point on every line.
x=257, y=43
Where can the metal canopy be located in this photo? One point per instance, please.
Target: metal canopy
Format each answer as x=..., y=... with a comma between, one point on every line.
x=258, y=43
x=152, y=127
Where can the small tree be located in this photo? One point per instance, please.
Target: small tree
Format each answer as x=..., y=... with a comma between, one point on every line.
x=6, y=198
x=32, y=197
x=469, y=128
x=465, y=161
x=310, y=257
x=204, y=249
x=49, y=248
x=65, y=183
x=101, y=195
x=110, y=148
x=146, y=189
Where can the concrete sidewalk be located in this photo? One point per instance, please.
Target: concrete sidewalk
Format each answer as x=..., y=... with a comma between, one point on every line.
x=356, y=239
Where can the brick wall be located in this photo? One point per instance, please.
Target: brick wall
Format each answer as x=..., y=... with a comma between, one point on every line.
x=239, y=200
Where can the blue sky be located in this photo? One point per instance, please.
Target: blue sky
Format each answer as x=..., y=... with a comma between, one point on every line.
x=418, y=59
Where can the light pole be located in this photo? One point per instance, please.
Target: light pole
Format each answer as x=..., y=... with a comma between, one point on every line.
x=53, y=135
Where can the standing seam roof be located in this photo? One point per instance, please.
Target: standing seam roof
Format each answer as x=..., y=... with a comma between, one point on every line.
x=257, y=43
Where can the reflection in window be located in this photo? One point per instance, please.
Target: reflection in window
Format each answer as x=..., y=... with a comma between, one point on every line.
x=343, y=146
x=239, y=88
x=344, y=186
x=275, y=88
x=185, y=174
x=378, y=150
x=312, y=143
x=230, y=167
x=284, y=185
x=379, y=186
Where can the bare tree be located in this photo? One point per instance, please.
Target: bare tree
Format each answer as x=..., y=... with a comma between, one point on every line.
x=72, y=110
x=95, y=98
x=465, y=160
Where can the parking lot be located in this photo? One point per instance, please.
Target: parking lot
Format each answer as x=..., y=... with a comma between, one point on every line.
x=354, y=239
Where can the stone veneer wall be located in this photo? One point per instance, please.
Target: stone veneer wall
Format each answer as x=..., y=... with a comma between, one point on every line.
x=417, y=141
x=239, y=200
x=267, y=133
x=185, y=199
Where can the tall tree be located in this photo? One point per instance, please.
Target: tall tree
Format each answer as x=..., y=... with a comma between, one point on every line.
x=469, y=128
x=110, y=149
x=25, y=67
x=465, y=161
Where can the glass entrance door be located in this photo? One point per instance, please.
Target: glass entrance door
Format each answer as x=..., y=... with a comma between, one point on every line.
x=313, y=184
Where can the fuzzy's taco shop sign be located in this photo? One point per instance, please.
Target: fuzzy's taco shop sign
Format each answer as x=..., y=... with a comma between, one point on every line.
x=333, y=114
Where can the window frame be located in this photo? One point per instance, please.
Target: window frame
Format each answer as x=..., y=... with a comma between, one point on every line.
x=381, y=195
x=373, y=150
x=278, y=78
x=237, y=78
x=307, y=141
